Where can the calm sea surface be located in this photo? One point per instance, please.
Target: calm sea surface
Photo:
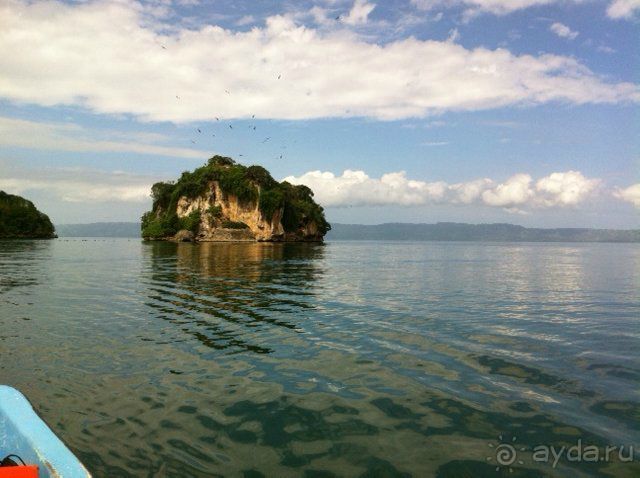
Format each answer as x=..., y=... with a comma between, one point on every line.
x=343, y=359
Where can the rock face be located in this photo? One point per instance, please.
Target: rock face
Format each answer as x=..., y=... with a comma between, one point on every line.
x=19, y=219
x=183, y=236
x=225, y=201
x=212, y=225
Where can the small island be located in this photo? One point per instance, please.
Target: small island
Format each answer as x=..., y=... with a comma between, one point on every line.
x=226, y=201
x=19, y=219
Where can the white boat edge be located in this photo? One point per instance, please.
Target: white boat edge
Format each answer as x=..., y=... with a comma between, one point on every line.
x=24, y=433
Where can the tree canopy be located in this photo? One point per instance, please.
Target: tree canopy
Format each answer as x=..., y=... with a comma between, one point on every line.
x=19, y=218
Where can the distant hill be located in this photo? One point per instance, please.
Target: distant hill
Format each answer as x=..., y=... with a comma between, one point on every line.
x=100, y=229
x=442, y=231
x=19, y=219
x=450, y=231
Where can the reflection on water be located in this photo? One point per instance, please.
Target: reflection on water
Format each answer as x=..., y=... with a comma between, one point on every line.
x=345, y=359
x=215, y=292
x=23, y=273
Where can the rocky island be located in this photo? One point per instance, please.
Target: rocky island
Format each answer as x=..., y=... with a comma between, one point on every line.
x=226, y=201
x=19, y=219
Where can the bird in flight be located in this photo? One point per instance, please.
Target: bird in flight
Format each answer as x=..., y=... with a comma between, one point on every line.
x=217, y=119
x=279, y=76
x=227, y=92
x=266, y=139
x=193, y=142
x=230, y=127
x=198, y=130
x=177, y=97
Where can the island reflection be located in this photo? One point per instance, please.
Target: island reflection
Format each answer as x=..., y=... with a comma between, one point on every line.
x=224, y=293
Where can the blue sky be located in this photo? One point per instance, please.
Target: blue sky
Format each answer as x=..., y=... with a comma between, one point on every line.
x=522, y=111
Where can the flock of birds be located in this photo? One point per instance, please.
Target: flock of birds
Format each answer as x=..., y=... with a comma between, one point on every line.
x=251, y=127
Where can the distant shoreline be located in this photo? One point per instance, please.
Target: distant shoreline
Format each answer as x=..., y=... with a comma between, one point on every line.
x=442, y=231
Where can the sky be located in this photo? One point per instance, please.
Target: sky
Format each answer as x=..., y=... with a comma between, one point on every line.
x=520, y=111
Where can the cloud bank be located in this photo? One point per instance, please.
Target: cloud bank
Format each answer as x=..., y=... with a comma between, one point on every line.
x=519, y=192
x=77, y=185
x=118, y=58
x=73, y=137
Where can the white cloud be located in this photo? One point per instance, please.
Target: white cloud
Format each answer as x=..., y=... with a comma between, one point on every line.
x=359, y=13
x=356, y=188
x=565, y=189
x=78, y=185
x=107, y=56
x=630, y=194
x=563, y=31
x=558, y=189
x=623, y=8
x=516, y=191
x=469, y=192
x=72, y=137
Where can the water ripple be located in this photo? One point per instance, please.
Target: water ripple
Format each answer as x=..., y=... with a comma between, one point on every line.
x=348, y=359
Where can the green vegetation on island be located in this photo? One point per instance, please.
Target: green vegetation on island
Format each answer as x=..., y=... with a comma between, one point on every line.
x=19, y=219
x=250, y=186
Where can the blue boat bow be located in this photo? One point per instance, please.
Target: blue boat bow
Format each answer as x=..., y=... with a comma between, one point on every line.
x=24, y=433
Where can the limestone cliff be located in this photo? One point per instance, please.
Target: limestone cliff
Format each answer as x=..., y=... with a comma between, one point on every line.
x=226, y=201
